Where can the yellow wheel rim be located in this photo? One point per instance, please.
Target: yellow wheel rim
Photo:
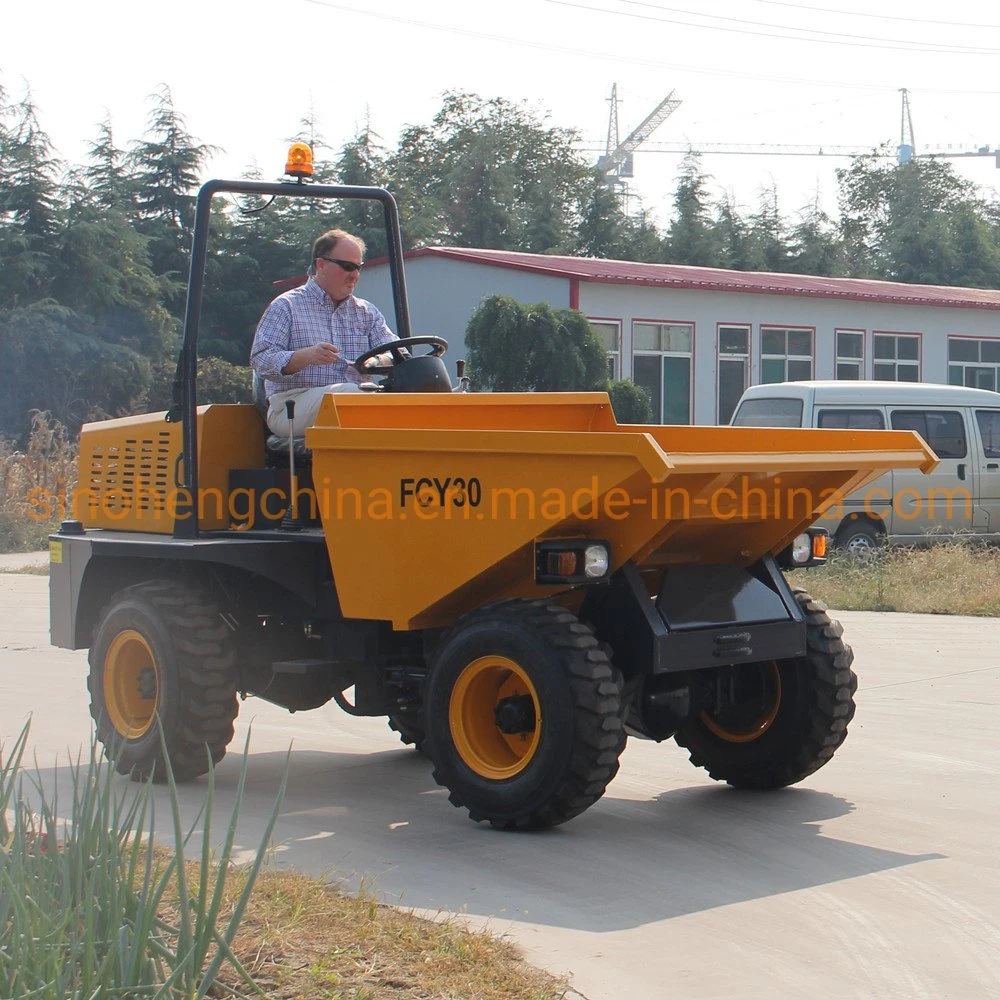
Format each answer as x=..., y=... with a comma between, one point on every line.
x=759, y=715
x=131, y=684
x=485, y=686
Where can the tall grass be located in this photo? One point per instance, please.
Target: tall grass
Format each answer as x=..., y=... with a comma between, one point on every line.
x=91, y=908
x=953, y=578
x=48, y=464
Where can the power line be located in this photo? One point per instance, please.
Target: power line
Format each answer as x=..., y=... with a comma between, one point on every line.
x=630, y=58
x=633, y=59
x=880, y=17
x=906, y=47
x=790, y=27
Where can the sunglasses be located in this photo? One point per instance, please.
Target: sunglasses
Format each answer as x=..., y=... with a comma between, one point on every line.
x=347, y=265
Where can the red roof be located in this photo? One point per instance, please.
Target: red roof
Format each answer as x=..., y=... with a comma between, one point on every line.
x=717, y=279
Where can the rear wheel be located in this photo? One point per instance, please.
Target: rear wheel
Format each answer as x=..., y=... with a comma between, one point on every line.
x=161, y=651
x=783, y=720
x=860, y=539
x=408, y=725
x=523, y=716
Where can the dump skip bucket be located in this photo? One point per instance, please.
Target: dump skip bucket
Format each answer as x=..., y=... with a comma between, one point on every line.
x=432, y=504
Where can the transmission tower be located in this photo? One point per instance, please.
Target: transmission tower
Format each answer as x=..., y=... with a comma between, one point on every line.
x=907, y=145
x=617, y=159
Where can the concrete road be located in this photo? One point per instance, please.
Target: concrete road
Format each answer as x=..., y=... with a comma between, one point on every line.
x=879, y=877
x=22, y=560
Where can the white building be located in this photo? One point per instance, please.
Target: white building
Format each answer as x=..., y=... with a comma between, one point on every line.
x=695, y=337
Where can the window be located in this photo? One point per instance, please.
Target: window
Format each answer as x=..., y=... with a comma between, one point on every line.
x=974, y=363
x=734, y=368
x=896, y=357
x=661, y=364
x=610, y=332
x=850, y=354
x=853, y=420
x=786, y=355
x=769, y=413
x=943, y=430
x=989, y=431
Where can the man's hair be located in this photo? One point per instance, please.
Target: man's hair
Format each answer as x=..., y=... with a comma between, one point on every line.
x=325, y=243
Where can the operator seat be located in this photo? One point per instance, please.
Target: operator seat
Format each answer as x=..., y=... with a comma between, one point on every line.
x=275, y=445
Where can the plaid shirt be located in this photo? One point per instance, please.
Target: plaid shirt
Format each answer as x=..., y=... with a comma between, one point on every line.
x=305, y=316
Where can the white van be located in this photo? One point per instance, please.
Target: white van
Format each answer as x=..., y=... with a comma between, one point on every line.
x=962, y=426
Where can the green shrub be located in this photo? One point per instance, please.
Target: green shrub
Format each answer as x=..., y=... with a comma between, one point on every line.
x=522, y=348
x=630, y=402
x=219, y=381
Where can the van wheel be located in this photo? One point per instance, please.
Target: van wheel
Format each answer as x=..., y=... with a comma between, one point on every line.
x=860, y=539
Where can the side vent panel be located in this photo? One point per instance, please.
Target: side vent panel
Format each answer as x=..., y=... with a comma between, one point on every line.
x=127, y=475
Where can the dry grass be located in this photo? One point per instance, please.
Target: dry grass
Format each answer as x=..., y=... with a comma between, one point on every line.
x=302, y=939
x=47, y=466
x=952, y=578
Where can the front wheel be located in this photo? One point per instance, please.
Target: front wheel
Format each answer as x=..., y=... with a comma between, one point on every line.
x=162, y=658
x=523, y=715
x=782, y=720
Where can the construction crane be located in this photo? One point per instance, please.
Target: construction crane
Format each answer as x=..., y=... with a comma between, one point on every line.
x=617, y=159
x=803, y=149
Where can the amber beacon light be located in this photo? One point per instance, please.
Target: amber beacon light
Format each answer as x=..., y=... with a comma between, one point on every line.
x=300, y=160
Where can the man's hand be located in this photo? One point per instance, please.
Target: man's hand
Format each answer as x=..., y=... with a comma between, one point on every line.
x=323, y=353
x=379, y=361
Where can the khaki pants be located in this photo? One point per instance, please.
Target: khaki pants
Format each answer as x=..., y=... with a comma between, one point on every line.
x=307, y=404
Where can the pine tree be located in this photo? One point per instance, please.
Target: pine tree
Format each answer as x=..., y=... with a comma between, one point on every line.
x=814, y=244
x=603, y=229
x=166, y=166
x=106, y=175
x=30, y=205
x=691, y=238
x=645, y=242
x=732, y=232
x=767, y=233
x=363, y=162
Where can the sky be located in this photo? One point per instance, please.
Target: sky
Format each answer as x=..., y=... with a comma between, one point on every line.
x=761, y=73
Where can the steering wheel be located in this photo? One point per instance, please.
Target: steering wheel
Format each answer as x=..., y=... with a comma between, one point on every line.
x=394, y=347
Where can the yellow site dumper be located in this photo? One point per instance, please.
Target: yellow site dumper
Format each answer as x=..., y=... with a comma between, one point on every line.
x=516, y=581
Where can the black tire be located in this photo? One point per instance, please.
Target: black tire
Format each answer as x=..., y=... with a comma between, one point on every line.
x=556, y=769
x=408, y=725
x=813, y=703
x=168, y=641
x=860, y=539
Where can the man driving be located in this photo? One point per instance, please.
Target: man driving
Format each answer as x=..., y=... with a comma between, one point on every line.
x=308, y=338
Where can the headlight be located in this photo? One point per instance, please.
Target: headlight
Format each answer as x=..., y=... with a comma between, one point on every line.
x=802, y=549
x=572, y=560
x=595, y=560
x=807, y=549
